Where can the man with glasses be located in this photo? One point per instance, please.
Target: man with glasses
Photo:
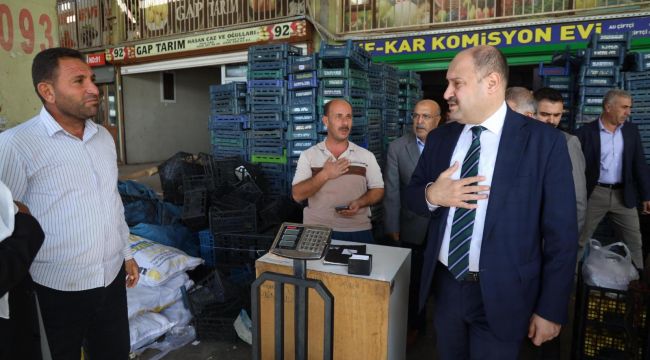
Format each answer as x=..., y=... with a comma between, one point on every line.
x=401, y=224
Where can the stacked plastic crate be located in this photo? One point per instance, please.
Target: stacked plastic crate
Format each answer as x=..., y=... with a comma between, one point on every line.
x=599, y=73
x=267, y=93
x=375, y=104
x=561, y=79
x=302, y=118
x=228, y=121
x=391, y=128
x=343, y=74
x=638, y=84
x=410, y=91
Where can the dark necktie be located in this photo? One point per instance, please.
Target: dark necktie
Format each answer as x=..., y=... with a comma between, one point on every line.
x=463, y=224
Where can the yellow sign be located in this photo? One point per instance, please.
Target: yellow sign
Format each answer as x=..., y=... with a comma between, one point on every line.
x=207, y=41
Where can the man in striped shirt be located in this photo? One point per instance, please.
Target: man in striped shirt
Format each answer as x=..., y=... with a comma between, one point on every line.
x=63, y=167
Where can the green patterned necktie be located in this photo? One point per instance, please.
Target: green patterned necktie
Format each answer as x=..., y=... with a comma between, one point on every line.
x=463, y=224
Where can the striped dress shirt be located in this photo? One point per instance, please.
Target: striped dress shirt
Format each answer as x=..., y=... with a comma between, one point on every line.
x=70, y=187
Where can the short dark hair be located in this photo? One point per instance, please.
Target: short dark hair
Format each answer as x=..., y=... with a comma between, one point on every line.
x=488, y=59
x=547, y=93
x=46, y=64
x=326, y=107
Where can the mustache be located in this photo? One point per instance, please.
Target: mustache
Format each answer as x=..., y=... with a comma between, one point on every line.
x=345, y=128
x=420, y=127
x=95, y=98
x=452, y=101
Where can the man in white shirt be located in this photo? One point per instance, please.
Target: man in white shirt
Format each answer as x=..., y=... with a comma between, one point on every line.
x=494, y=283
x=63, y=167
x=340, y=179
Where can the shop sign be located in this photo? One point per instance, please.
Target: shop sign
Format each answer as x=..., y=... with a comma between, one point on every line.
x=98, y=59
x=280, y=31
x=520, y=36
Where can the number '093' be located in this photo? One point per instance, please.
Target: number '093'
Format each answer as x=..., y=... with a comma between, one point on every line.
x=25, y=24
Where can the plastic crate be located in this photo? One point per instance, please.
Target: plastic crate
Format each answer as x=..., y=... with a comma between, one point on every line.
x=268, y=65
x=303, y=80
x=266, y=83
x=214, y=305
x=283, y=47
x=266, y=100
x=303, y=96
x=301, y=131
x=232, y=215
x=266, y=91
x=268, y=134
x=296, y=147
x=265, y=108
x=349, y=50
x=272, y=159
x=263, y=117
x=268, y=142
x=302, y=109
x=303, y=63
x=233, y=89
x=342, y=92
x=268, y=150
x=342, y=73
x=269, y=125
x=266, y=74
x=195, y=206
x=310, y=117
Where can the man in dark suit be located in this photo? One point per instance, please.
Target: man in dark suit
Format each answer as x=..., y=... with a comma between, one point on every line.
x=493, y=277
x=402, y=225
x=617, y=174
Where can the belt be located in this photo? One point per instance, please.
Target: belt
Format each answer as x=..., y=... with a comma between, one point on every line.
x=471, y=276
x=611, y=186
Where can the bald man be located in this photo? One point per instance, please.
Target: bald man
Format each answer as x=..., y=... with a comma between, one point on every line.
x=400, y=224
x=496, y=186
x=340, y=179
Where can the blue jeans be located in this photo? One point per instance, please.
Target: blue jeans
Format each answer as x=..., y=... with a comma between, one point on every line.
x=363, y=236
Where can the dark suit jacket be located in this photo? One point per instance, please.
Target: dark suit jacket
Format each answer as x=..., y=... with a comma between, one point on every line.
x=531, y=198
x=19, y=335
x=403, y=155
x=636, y=176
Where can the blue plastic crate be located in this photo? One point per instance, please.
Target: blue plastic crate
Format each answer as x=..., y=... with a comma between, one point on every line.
x=268, y=143
x=285, y=48
x=296, y=147
x=268, y=134
x=266, y=83
x=342, y=92
x=303, y=63
x=265, y=117
x=302, y=131
x=266, y=100
x=302, y=109
x=303, y=80
x=309, y=117
x=303, y=96
x=266, y=91
x=265, y=108
x=349, y=50
x=269, y=125
x=268, y=65
x=233, y=89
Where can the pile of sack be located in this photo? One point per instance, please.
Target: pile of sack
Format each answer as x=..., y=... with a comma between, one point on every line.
x=155, y=304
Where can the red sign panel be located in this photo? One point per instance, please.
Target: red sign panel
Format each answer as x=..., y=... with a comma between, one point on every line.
x=98, y=59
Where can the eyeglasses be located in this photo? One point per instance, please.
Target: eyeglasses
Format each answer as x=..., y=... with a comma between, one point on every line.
x=415, y=116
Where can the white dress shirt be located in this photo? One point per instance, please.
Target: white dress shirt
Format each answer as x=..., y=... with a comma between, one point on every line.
x=490, y=138
x=70, y=187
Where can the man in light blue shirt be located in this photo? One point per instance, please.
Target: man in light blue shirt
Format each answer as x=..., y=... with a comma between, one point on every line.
x=617, y=174
x=63, y=167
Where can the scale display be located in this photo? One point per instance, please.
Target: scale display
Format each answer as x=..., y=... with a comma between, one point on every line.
x=299, y=241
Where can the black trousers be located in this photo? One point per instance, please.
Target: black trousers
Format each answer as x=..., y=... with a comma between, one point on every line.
x=95, y=319
x=416, y=318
